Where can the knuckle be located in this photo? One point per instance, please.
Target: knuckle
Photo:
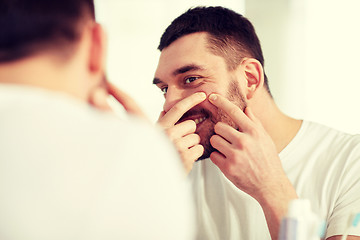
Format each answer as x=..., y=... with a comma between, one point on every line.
x=254, y=132
x=170, y=132
x=161, y=123
x=232, y=155
x=233, y=111
x=179, y=145
x=239, y=141
x=177, y=107
x=246, y=143
x=227, y=168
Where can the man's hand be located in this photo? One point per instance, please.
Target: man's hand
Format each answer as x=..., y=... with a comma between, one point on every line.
x=100, y=95
x=183, y=135
x=126, y=101
x=248, y=158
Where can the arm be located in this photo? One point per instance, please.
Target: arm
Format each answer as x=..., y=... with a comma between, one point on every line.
x=249, y=159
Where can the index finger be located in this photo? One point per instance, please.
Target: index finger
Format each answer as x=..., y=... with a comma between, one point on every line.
x=232, y=110
x=180, y=108
x=125, y=100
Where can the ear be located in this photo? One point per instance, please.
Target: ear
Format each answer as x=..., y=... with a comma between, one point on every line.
x=97, y=50
x=254, y=76
x=97, y=92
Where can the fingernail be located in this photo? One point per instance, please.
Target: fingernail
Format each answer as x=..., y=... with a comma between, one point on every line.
x=202, y=95
x=212, y=97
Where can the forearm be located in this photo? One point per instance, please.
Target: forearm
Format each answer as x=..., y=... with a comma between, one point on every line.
x=275, y=205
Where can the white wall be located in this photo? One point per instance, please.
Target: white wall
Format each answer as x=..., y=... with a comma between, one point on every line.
x=333, y=79
x=134, y=29
x=312, y=50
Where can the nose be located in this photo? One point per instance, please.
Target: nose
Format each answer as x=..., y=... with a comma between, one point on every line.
x=173, y=96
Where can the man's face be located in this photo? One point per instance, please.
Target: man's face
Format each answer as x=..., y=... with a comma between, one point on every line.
x=188, y=66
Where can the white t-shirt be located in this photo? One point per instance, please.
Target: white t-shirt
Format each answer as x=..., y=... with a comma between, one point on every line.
x=70, y=172
x=323, y=166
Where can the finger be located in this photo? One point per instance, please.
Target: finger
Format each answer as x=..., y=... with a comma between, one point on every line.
x=162, y=113
x=187, y=142
x=98, y=98
x=218, y=159
x=178, y=110
x=251, y=115
x=220, y=144
x=196, y=151
x=233, y=111
x=227, y=132
x=125, y=100
x=180, y=130
x=192, y=154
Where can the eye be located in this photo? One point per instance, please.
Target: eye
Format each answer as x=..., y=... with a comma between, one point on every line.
x=191, y=79
x=164, y=89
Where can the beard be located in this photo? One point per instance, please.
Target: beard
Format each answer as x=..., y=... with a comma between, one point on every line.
x=206, y=129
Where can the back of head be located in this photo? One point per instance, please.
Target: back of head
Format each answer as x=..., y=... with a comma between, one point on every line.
x=31, y=26
x=231, y=35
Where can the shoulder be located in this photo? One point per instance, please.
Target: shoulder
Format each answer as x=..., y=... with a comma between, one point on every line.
x=324, y=135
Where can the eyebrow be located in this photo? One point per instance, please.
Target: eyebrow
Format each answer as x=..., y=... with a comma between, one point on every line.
x=181, y=70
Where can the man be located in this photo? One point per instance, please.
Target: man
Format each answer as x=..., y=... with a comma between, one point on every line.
x=248, y=160
x=67, y=169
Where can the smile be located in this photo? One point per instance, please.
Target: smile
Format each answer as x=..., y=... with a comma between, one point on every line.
x=199, y=120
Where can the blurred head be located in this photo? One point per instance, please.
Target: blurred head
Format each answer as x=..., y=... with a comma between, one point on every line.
x=33, y=26
x=61, y=32
x=213, y=50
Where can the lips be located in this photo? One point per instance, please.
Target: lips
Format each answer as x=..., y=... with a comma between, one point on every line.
x=198, y=116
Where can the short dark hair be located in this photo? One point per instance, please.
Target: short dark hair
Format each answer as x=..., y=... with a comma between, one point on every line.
x=231, y=35
x=28, y=26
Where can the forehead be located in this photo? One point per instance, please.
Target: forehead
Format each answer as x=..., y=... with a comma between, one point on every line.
x=191, y=49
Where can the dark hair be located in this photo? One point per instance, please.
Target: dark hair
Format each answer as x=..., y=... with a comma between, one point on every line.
x=28, y=26
x=231, y=35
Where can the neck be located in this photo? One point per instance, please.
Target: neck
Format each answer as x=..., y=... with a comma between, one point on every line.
x=281, y=128
x=40, y=71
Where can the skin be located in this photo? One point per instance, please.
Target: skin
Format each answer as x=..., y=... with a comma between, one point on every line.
x=248, y=141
